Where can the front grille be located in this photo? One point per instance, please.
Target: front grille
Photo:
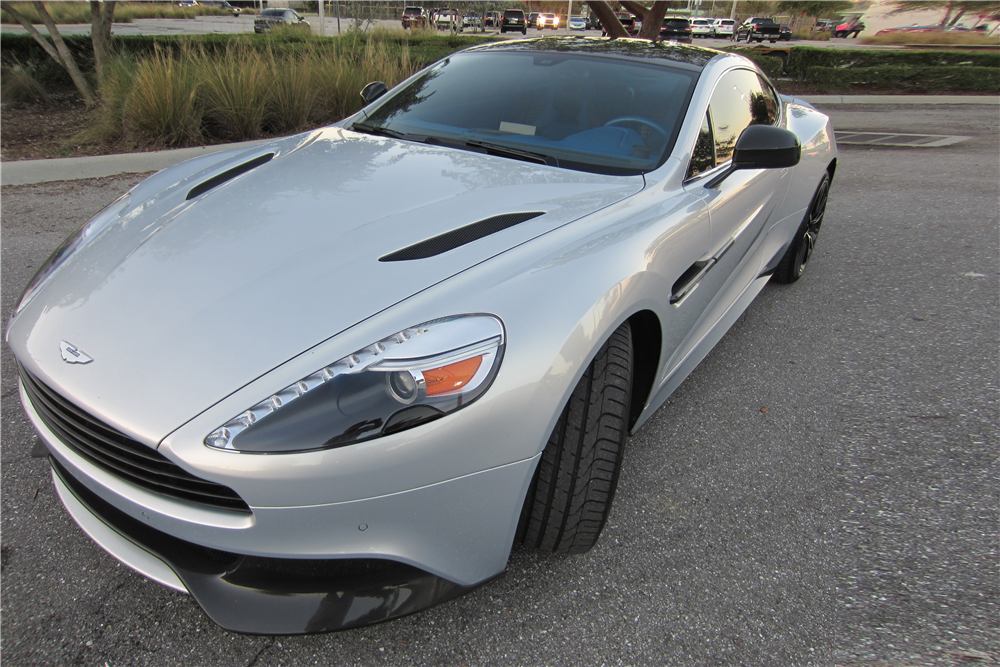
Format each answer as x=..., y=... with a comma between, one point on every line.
x=121, y=456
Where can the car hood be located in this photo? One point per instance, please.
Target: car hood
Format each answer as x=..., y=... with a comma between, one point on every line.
x=189, y=296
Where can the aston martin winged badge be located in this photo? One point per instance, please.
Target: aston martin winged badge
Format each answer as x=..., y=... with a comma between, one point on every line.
x=71, y=354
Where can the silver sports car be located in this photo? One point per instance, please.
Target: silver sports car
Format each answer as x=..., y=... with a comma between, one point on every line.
x=331, y=380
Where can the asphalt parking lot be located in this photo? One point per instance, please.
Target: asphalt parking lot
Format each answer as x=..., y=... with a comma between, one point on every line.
x=821, y=491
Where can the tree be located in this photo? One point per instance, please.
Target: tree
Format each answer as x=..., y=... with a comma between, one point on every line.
x=651, y=18
x=101, y=16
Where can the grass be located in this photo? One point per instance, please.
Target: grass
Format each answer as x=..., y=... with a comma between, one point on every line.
x=814, y=35
x=18, y=85
x=125, y=12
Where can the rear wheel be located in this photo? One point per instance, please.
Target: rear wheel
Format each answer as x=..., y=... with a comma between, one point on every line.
x=793, y=264
x=570, y=496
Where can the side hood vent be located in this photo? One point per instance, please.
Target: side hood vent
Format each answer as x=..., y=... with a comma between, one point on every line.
x=458, y=237
x=228, y=175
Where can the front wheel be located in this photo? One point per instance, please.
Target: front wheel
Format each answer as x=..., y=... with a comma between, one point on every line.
x=570, y=496
x=793, y=263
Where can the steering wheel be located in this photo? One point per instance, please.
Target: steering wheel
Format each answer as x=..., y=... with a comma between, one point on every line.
x=650, y=126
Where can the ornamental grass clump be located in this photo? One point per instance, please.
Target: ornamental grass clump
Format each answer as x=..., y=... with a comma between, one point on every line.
x=249, y=89
x=235, y=91
x=162, y=105
x=18, y=86
x=291, y=105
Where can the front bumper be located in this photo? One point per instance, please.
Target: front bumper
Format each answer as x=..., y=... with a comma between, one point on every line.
x=258, y=595
x=301, y=569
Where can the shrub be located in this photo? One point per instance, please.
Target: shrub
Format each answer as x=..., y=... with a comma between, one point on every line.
x=772, y=65
x=802, y=58
x=908, y=79
x=952, y=38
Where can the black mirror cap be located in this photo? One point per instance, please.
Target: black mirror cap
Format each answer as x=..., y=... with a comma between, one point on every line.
x=766, y=147
x=373, y=91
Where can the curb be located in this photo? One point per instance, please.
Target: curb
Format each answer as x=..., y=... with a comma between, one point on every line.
x=28, y=172
x=901, y=99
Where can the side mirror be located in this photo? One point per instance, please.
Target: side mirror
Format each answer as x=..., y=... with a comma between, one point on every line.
x=373, y=91
x=762, y=147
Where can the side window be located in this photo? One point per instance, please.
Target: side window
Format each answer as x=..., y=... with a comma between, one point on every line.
x=703, y=157
x=770, y=101
x=738, y=102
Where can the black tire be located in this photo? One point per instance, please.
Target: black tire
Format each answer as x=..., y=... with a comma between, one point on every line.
x=570, y=496
x=793, y=263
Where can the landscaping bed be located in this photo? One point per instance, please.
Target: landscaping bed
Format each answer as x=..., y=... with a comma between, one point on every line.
x=62, y=127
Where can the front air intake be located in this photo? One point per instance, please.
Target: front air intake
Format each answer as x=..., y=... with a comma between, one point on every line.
x=458, y=237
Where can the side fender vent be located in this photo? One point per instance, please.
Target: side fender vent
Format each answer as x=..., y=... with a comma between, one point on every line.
x=458, y=237
x=228, y=175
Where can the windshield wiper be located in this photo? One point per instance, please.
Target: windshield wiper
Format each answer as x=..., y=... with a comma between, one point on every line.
x=377, y=131
x=515, y=153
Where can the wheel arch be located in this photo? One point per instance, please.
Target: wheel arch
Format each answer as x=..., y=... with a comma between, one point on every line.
x=647, y=341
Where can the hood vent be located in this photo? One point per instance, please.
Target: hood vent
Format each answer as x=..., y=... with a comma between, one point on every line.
x=228, y=175
x=458, y=237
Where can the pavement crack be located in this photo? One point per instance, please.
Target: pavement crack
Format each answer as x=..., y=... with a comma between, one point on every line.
x=269, y=644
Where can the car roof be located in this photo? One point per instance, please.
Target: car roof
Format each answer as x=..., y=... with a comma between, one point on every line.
x=683, y=56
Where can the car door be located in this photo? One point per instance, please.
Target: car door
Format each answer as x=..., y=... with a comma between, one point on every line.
x=738, y=207
x=741, y=205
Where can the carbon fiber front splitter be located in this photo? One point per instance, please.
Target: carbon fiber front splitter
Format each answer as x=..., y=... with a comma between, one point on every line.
x=280, y=596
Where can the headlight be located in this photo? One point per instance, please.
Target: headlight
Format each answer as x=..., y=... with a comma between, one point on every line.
x=96, y=225
x=410, y=378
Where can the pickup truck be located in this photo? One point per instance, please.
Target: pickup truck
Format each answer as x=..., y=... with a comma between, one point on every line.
x=757, y=30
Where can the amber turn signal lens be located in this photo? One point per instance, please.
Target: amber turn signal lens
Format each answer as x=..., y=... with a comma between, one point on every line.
x=448, y=378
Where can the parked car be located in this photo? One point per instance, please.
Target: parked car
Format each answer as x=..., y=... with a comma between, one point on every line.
x=313, y=406
x=758, y=29
x=222, y=4
x=786, y=33
x=513, y=19
x=533, y=20
x=448, y=19
x=677, y=29
x=493, y=19
x=471, y=21
x=849, y=29
x=550, y=21
x=628, y=22
x=702, y=28
x=593, y=22
x=824, y=25
x=577, y=23
x=414, y=17
x=276, y=17
x=723, y=27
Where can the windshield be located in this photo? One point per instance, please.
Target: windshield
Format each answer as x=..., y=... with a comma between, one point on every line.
x=604, y=115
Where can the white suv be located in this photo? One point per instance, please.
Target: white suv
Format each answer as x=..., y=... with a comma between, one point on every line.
x=702, y=28
x=723, y=27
